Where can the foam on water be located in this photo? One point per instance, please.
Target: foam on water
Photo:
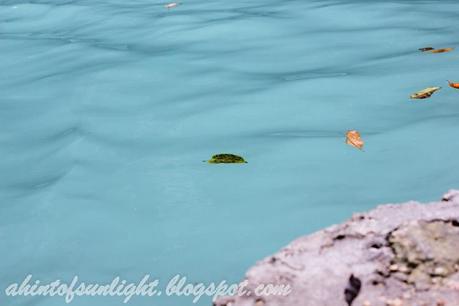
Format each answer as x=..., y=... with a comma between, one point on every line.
x=108, y=108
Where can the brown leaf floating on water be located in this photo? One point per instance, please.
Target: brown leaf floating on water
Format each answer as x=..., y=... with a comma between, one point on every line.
x=426, y=49
x=453, y=85
x=425, y=93
x=353, y=139
x=441, y=50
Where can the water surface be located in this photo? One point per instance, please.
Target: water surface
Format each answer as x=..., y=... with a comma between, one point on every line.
x=109, y=107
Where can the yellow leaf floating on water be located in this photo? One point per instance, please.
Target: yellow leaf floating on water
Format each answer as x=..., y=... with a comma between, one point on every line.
x=425, y=93
x=441, y=50
x=353, y=139
x=433, y=50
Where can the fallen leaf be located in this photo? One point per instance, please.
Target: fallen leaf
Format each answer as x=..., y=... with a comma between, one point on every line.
x=226, y=158
x=425, y=93
x=441, y=50
x=259, y=302
x=426, y=49
x=171, y=5
x=453, y=85
x=353, y=139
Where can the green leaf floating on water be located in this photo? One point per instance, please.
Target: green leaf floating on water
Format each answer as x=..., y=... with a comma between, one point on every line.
x=226, y=159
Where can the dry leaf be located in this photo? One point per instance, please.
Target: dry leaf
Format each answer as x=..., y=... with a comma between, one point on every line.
x=453, y=85
x=425, y=93
x=426, y=49
x=171, y=5
x=441, y=50
x=353, y=139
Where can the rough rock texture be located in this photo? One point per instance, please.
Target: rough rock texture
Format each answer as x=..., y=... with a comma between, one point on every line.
x=395, y=255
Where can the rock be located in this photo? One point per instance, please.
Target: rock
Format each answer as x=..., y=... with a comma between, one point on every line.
x=406, y=254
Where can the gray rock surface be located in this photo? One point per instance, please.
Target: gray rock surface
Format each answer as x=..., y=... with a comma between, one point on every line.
x=394, y=255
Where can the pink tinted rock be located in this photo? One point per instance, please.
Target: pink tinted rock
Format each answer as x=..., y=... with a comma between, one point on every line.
x=406, y=254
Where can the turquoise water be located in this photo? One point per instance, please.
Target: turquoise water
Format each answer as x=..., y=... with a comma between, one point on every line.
x=109, y=107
